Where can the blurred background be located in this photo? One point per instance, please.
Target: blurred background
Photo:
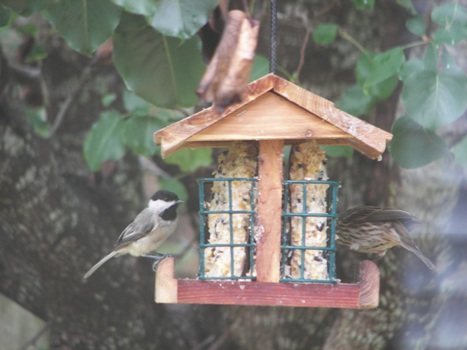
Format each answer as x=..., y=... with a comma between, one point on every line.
x=84, y=88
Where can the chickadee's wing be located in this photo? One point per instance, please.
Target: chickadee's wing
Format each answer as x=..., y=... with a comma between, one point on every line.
x=143, y=224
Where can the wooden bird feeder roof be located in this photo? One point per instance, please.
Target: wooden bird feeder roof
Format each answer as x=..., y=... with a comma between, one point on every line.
x=274, y=109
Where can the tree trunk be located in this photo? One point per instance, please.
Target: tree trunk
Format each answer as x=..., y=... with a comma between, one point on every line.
x=57, y=219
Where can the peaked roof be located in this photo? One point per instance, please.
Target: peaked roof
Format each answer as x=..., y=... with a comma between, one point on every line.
x=287, y=111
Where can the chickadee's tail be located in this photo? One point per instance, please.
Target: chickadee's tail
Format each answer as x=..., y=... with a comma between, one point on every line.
x=99, y=264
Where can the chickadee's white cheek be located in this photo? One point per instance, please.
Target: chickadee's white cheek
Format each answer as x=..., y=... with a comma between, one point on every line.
x=159, y=205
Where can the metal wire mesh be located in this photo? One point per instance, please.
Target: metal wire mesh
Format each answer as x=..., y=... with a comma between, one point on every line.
x=328, y=251
x=204, y=186
x=204, y=212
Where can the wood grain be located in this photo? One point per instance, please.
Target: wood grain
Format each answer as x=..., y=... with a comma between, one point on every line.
x=269, y=211
x=361, y=295
x=263, y=119
x=173, y=136
x=368, y=284
x=367, y=139
x=268, y=294
x=282, y=119
x=166, y=285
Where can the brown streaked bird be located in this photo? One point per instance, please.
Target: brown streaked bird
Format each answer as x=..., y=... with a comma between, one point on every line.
x=373, y=230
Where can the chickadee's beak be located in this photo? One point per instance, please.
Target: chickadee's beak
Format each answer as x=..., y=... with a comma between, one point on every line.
x=178, y=202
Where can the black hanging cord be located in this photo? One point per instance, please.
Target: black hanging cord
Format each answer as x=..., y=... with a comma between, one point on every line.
x=273, y=32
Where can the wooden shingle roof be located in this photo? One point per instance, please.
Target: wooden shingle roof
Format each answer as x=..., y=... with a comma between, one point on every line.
x=274, y=108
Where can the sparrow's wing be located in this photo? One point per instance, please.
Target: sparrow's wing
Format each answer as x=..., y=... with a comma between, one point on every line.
x=408, y=220
x=376, y=214
x=358, y=214
x=144, y=223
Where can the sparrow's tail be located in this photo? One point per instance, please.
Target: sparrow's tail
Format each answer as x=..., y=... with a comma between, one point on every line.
x=99, y=264
x=411, y=246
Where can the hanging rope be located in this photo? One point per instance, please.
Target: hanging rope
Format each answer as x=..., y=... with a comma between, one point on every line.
x=273, y=33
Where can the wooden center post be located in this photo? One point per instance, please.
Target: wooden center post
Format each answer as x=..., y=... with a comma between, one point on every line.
x=269, y=209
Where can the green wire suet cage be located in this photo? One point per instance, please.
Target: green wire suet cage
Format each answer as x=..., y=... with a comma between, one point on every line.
x=286, y=248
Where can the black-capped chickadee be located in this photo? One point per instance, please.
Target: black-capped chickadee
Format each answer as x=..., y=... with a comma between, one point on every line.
x=148, y=231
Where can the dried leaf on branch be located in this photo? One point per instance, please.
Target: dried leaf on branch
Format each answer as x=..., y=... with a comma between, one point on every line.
x=228, y=72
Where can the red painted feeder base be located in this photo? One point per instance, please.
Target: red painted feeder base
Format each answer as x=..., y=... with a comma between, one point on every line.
x=361, y=295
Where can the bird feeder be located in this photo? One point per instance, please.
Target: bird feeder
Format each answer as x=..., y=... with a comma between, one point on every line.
x=267, y=234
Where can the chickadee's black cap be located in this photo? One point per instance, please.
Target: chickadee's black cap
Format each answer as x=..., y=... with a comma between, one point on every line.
x=165, y=196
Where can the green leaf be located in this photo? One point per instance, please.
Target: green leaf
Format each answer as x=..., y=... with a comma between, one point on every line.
x=85, y=24
x=162, y=70
x=15, y=5
x=460, y=152
x=364, y=71
x=139, y=134
x=354, y=101
x=413, y=146
x=105, y=140
x=384, y=66
x=383, y=90
x=5, y=15
x=26, y=7
x=174, y=185
x=449, y=14
x=108, y=99
x=338, y=151
x=408, y=5
x=410, y=67
x=37, y=53
x=28, y=29
x=139, y=7
x=434, y=99
x=138, y=107
x=260, y=67
x=364, y=67
x=191, y=159
x=135, y=105
x=416, y=25
x=182, y=18
x=452, y=19
x=430, y=60
x=38, y=120
x=364, y=4
x=447, y=61
x=324, y=34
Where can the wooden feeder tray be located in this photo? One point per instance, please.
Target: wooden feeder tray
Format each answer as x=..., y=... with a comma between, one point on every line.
x=363, y=294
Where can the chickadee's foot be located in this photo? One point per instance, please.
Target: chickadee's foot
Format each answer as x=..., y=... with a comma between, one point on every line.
x=154, y=256
x=158, y=260
x=155, y=263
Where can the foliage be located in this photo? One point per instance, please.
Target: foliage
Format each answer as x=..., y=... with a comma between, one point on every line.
x=161, y=69
x=424, y=145
x=104, y=141
x=433, y=90
x=460, y=152
x=325, y=33
x=113, y=131
x=180, y=19
x=84, y=24
x=158, y=55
